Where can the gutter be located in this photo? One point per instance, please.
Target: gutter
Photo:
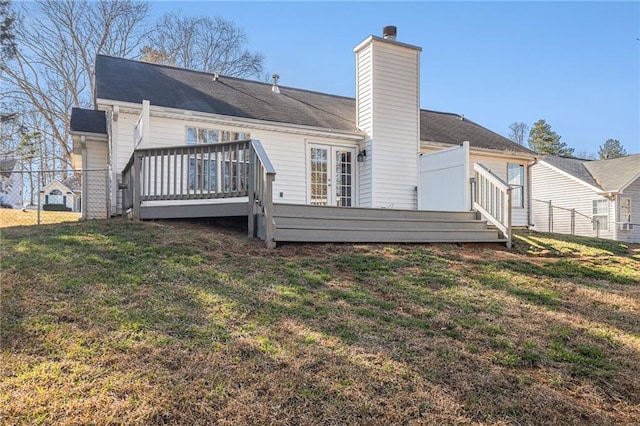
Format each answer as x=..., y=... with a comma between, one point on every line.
x=249, y=123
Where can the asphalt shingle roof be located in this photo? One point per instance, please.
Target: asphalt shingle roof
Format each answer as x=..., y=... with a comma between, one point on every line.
x=607, y=175
x=88, y=121
x=613, y=174
x=133, y=81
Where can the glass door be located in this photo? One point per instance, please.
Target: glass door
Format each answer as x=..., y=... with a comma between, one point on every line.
x=331, y=175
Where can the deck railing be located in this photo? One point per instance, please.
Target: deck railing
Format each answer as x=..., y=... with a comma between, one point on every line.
x=192, y=172
x=492, y=198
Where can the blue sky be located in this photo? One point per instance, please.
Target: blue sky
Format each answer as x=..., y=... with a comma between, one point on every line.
x=575, y=64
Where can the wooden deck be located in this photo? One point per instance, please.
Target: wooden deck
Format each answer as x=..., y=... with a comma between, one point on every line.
x=234, y=179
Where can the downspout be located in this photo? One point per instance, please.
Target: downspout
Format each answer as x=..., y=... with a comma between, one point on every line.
x=529, y=196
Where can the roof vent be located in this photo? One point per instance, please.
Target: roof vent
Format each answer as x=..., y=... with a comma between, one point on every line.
x=275, y=87
x=389, y=32
x=216, y=76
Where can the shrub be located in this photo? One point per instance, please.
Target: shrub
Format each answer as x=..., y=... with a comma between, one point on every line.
x=56, y=208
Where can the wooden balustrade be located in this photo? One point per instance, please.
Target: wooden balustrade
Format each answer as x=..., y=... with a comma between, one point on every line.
x=492, y=198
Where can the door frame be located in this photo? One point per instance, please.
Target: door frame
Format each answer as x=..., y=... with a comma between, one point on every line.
x=332, y=148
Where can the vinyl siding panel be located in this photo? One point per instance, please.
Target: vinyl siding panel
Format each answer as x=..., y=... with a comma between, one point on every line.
x=286, y=151
x=632, y=192
x=364, y=113
x=566, y=193
x=94, y=181
x=498, y=165
x=394, y=150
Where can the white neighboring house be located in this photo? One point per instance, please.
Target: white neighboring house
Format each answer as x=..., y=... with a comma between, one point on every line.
x=379, y=151
x=588, y=198
x=11, y=184
x=66, y=192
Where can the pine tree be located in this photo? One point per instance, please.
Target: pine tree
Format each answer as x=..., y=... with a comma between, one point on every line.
x=612, y=148
x=543, y=140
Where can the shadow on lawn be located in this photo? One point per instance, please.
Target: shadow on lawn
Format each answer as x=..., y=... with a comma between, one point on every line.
x=359, y=336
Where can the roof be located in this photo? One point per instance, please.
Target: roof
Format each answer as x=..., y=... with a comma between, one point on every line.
x=573, y=166
x=7, y=165
x=73, y=183
x=132, y=81
x=615, y=174
x=88, y=121
x=454, y=129
x=607, y=175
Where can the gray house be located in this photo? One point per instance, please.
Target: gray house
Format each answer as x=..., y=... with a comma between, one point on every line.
x=589, y=198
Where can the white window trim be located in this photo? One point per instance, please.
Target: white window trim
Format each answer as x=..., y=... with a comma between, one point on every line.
x=522, y=199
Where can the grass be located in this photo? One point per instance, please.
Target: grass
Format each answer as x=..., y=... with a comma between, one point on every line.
x=17, y=217
x=119, y=322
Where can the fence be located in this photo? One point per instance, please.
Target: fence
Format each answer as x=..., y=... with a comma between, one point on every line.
x=42, y=197
x=553, y=218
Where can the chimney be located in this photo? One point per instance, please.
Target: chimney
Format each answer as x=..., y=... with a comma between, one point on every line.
x=389, y=32
x=275, y=87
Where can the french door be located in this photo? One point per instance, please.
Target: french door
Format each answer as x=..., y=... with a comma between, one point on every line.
x=331, y=175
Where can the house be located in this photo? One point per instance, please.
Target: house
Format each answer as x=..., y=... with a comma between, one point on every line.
x=66, y=193
x=303, y=165
x=589, y=198
x=11, y=184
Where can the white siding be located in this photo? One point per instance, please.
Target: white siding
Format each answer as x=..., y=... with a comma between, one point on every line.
x=498, y=165
x=94, y=181
x=632, y=192
x=388, y=112
x=285, y=150
x=547, y=184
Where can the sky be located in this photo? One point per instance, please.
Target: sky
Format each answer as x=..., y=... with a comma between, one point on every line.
x=574, y=64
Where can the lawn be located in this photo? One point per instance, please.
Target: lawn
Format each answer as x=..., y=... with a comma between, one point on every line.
x=18, y=217
x=121, y=322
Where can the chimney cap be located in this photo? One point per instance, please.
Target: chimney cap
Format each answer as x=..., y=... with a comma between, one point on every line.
x=390, y=32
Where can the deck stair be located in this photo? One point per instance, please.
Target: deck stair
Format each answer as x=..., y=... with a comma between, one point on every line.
x=303, y=223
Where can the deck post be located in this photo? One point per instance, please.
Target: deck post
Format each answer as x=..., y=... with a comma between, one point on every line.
x=137, y=165
x=251, y=196
x=269, y=231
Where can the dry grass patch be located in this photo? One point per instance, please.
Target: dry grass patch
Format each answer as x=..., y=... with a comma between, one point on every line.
x=17, y=217
x=184, y=323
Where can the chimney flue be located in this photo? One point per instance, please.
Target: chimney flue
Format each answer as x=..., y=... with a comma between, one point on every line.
x=275, y=87
x=389, y=32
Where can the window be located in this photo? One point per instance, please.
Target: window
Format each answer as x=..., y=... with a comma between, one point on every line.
x=600, y=215
x=197, y=136
x=203, y=167
x=515, y=178
x=625, y=211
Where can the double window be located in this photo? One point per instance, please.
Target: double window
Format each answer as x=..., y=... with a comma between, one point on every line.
x=515, y=178
x=600, y=215
x=204, y=168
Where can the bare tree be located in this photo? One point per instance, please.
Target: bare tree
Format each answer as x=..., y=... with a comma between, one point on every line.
x=518, y=133
x=53, y=68
x=203, y=44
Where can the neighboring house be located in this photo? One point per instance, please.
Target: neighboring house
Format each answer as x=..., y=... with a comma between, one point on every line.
x=590, y=198
x=66, y=192
x=377, y=151
x=11, y=184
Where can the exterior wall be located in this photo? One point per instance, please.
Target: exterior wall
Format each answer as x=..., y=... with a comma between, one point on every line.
x=498, y=165
x=94, y=181
x=364, y=119
x=547, y=184
x=11, y=186
x=287, y=151
x=632, y=192
x=388, y=112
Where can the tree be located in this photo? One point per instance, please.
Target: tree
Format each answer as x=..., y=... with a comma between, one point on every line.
x=53, y=67
x=612, y=148
x=518, y=132
x=7, y=36
x=543, y=140
x=202, y=44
